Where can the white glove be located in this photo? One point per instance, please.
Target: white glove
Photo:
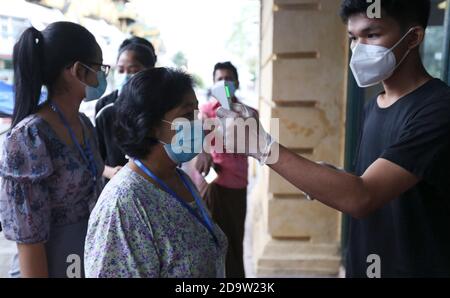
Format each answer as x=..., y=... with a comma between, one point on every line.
x=256, y=143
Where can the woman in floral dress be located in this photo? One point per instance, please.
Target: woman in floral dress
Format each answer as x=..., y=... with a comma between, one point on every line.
x=50, y=165
x=149, y=220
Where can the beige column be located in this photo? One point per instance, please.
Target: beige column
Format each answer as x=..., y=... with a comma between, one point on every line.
x=303, y=83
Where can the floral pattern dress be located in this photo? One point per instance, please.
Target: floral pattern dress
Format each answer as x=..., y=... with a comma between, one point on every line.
x=138, y=230
x=47, y=191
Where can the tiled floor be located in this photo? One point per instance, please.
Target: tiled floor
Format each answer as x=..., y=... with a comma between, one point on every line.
x=248, y=260
x=7, y=250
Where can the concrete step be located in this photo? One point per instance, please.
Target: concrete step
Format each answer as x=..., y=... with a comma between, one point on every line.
x=298, y=266
x=284, y=258
x=292, y=247
x=270, y=272
x=303, y=262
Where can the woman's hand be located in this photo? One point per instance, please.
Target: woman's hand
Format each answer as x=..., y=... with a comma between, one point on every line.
x=110, y=172
x=204, y=163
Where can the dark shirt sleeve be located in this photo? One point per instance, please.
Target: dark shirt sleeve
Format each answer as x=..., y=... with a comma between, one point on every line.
x=103, y=102
x=99, y=122
x=99, y=105
x=423, y=147
x=101, y=137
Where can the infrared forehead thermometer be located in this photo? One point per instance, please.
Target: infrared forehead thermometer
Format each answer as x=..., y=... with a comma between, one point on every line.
x=224, y=91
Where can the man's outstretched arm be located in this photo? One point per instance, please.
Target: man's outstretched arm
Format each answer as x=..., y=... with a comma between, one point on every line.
x=357, y=196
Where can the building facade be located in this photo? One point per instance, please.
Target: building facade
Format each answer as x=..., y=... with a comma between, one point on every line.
x=303, y=83
x=306, y=83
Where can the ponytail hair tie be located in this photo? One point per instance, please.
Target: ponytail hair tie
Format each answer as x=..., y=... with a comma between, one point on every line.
x=37, y=36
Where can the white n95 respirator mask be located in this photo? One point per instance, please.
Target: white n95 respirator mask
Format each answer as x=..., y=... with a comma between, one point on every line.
x=372, y=64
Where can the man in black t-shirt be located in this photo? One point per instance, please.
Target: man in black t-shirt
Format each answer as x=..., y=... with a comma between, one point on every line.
x=135, y=54
x=411, y=233
x=399, y=196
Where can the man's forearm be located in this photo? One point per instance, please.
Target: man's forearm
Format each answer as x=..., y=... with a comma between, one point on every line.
x=339, y=190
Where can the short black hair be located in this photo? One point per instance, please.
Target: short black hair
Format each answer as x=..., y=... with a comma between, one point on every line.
x=405, y=12
x=137, y=40
x=141, y=106
x=226, y=65
x=141, y=47
x=142, y=53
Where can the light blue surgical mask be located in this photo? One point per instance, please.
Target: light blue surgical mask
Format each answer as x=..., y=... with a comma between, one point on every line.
x=93, y=93
x=187, y=142
x=122, y=80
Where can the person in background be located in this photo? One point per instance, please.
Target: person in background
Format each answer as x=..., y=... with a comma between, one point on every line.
x=50, y=164
x=150, y=220
x=135, y=54
x=226, y=196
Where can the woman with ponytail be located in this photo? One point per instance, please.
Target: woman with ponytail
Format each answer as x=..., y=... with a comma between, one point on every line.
x=50, y=165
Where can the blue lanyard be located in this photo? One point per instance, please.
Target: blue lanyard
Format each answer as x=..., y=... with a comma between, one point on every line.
x=205, y=221
x=88, y=158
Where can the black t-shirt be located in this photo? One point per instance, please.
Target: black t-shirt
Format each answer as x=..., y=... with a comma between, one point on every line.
x=411, y=234
x=104, y=125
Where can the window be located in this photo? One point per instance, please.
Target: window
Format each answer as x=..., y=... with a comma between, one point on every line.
x=4, y=27
x=433, y=46
x=18, y=26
